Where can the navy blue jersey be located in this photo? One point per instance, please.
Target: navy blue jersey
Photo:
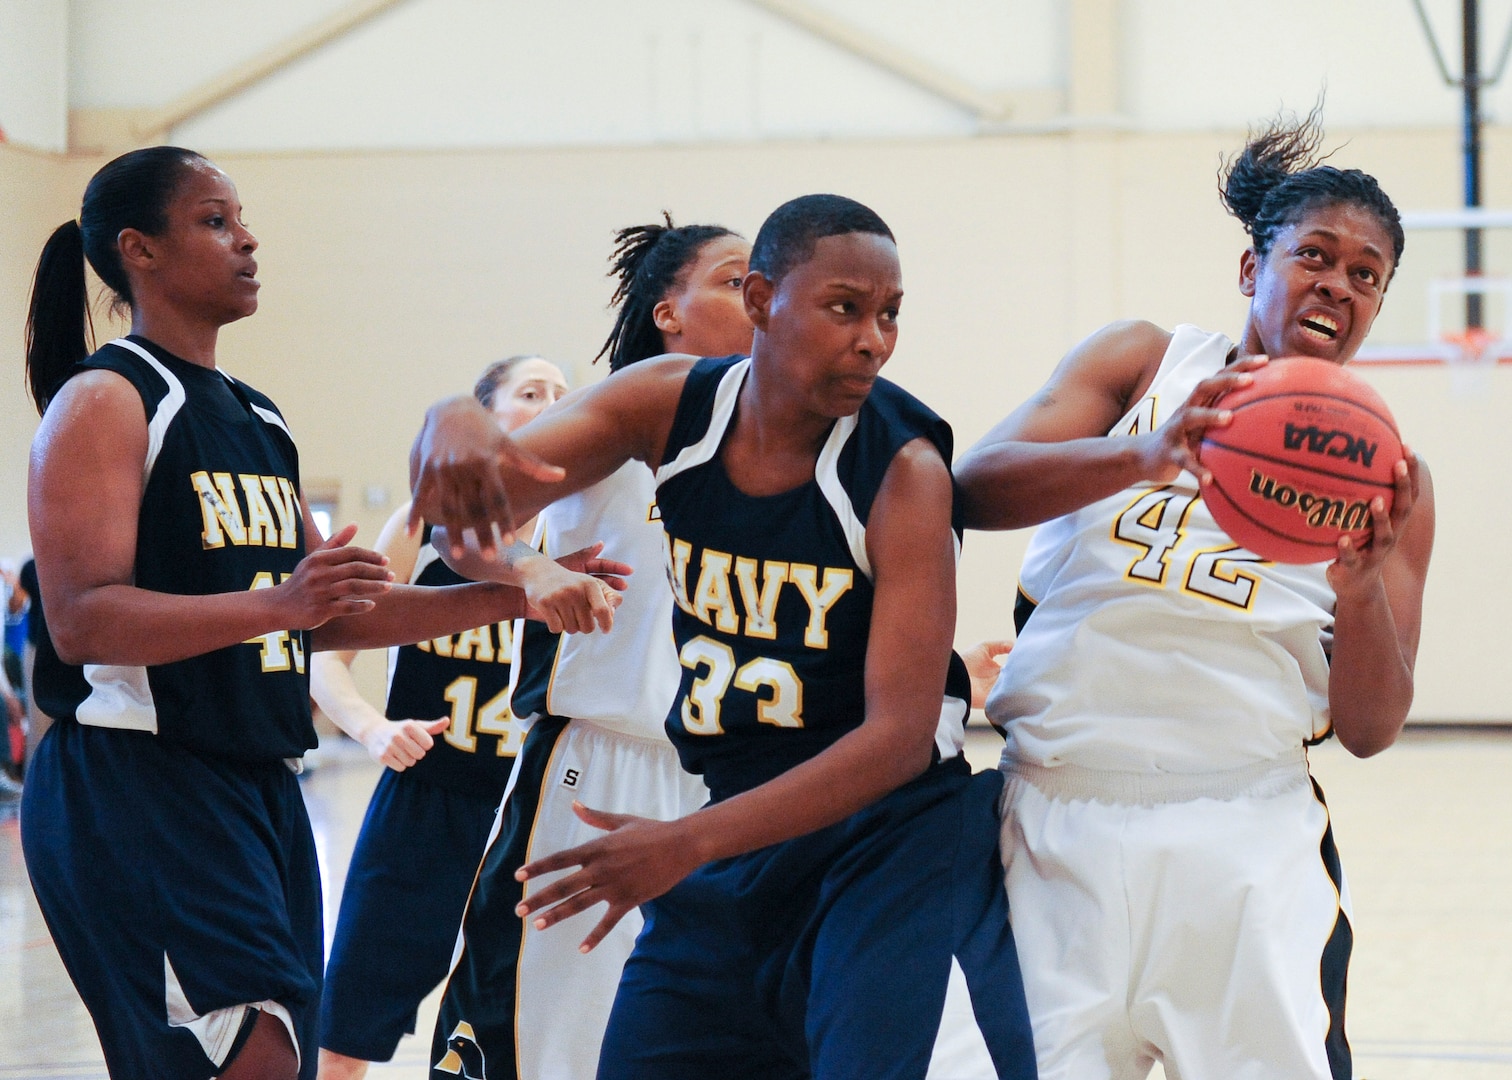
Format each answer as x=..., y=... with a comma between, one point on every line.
x=220, y=513
x=465, y=677
x=773, y=594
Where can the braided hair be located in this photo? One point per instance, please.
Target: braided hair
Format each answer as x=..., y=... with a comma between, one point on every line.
x=1278, y=177
x=649, y=261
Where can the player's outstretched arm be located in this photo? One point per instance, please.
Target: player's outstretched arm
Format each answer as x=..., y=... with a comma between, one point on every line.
x=912, y=552
x=468, y=476
x=1378, y=615
x=576, y=594
x=1049, y=456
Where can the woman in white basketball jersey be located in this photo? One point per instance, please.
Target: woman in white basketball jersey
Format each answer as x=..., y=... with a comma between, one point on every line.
x=1172, y=874
x=594, y=708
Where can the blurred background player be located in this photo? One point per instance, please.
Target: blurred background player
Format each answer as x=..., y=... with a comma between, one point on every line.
x=1175, y=887
x=430, y=815
x=595, y=707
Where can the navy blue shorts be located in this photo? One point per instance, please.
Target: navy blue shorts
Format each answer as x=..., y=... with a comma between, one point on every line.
x=827, y=956
x=174, y=885
x=406, y=890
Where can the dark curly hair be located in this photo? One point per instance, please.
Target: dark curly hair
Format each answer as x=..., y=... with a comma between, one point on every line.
x=1278, y=177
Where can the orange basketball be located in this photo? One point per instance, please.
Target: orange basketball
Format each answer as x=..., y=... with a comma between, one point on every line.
x=1310, y=446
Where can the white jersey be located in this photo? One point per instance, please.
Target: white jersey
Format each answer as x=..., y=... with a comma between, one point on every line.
x=1156, y=643
x=627, y=679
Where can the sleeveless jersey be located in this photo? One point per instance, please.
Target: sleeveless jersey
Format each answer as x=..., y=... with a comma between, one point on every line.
x=466, y=677
x=220, y=513
x=1148, y=639
x=773, y=594
x=626, y=679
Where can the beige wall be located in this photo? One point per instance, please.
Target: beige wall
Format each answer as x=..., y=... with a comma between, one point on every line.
x=390, y=279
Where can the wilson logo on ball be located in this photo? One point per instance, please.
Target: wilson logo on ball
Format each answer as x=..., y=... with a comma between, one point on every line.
x=1320, y=511
x=1333, y=442
x=1307, y=451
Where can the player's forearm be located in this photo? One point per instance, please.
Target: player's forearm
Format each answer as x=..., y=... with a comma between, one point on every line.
x=507, y=568
x=1370, y=683
x=127, y=626
x=408, y=613
x=1016, y=484
x=335, y=691
x=860, y=768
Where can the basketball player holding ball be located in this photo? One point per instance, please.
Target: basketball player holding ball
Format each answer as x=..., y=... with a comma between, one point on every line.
x=1170, y=866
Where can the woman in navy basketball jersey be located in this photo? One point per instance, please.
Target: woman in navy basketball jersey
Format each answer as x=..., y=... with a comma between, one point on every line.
x=804, y=922
x=163, y=828
x=1175, y=888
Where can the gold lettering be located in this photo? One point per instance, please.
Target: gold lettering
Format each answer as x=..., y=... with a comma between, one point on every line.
x=286, y=504
x=220, y=510
x=260, y=527
x=837, y=583
x=712, y=602
x=760, y=604
x=479, y=638
x=678, y=553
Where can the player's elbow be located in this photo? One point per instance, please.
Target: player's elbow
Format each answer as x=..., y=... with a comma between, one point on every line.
x=911, y=757
x=73, y=640
x=1368, y=735
x=1364, y=744
x=982, y=502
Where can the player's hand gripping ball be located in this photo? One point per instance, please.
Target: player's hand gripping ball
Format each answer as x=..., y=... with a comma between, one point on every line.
x=1310, y=446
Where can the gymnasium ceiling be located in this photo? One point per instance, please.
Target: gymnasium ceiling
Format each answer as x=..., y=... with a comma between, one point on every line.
x=271, y=75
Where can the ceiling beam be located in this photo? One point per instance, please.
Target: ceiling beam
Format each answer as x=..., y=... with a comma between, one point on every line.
x=989, y=108
x=121, y=128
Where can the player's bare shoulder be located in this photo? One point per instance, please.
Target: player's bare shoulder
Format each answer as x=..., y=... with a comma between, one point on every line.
x=644, y=397
x=97, y=415
x=1124, y=356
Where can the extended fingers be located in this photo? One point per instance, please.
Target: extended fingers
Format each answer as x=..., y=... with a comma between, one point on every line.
x=1211, y=390
x=558, y=892
x=600, y=931
x=467, y=495
x=565, y=909
x=559, y=860
x=1383, y=525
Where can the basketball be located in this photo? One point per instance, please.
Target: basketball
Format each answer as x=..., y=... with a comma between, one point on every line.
x=1310, y=446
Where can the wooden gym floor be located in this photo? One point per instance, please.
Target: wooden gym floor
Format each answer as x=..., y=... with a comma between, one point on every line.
x=1424, y=830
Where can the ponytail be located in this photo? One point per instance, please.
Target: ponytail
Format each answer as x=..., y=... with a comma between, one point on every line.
x=130, y=192
x=58, y=327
